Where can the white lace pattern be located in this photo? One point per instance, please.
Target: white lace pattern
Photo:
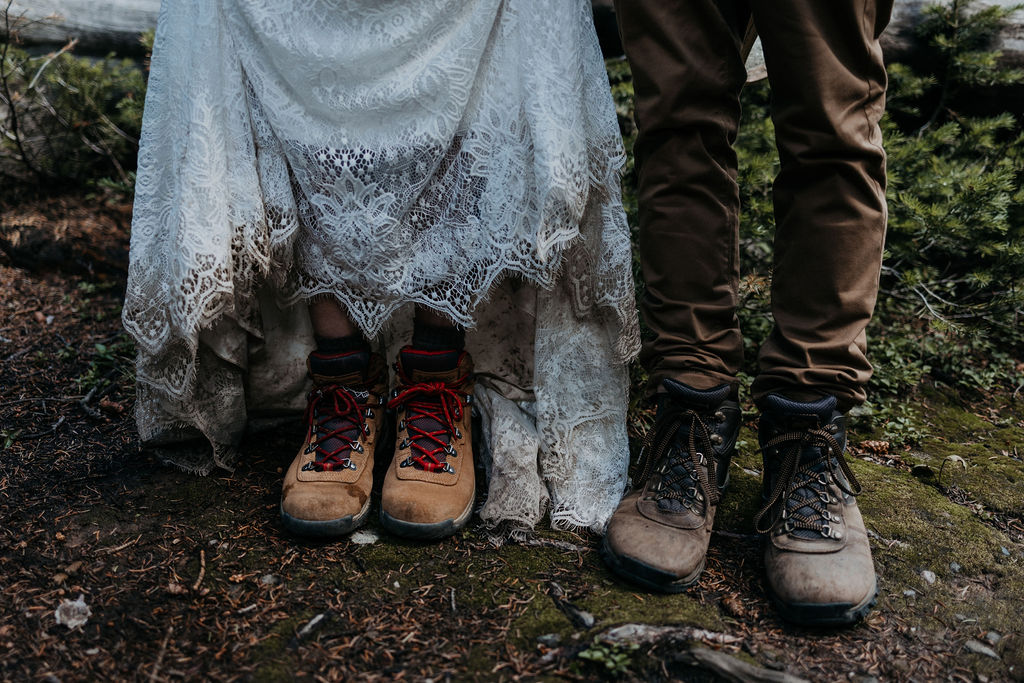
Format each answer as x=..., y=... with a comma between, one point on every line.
x=458, y=154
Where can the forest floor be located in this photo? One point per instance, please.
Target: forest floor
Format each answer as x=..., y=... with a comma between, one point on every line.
x=189, y=577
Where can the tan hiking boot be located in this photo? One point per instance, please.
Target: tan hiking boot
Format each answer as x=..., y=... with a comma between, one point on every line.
x=659, y=534
x=429, y=488
x=326, y=490
x=816, y=554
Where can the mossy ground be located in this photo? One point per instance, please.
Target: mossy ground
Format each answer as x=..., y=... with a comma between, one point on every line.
x=203, y=564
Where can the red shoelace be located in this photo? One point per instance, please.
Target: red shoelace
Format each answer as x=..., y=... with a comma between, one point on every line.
x=336, y=420
x=431, y=411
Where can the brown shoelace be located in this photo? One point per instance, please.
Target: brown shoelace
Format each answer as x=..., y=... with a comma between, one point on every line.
x=806, y=486
x=658, y=455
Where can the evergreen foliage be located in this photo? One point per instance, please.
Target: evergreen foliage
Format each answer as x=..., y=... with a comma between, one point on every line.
x=67, y=121
x=952, y=290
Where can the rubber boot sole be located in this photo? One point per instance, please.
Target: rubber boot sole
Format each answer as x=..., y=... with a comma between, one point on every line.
x=427, y=531
x=825, y=614
x=328, y=528
x=645, y=575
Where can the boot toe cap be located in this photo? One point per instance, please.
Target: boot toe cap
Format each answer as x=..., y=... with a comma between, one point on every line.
x=323, y=503
x=655, y=554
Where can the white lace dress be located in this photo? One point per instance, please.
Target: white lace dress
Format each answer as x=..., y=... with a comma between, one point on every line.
x=459, y=154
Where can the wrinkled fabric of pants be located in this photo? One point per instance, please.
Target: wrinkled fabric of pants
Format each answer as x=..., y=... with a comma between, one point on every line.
x=828, y=93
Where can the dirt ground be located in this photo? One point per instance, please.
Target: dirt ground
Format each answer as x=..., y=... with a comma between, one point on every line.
x=193, y=578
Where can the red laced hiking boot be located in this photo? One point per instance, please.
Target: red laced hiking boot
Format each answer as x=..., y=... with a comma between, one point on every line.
x=326, y=490
x=430, y=486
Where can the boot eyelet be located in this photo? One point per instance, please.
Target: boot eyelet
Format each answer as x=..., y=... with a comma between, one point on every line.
x=366, y=429
x=401, y=426
x=458, y=434
x=719, y=416
x=405, y=463
x=448, y=468
x=716, y=439
x=450, y=450
x=403, y=445
x=357, y=447
x=309, y=467
x=369, y=413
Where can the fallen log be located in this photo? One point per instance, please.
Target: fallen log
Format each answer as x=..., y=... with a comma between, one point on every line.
x=100, y=26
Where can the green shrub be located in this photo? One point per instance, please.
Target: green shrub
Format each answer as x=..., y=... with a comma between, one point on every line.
x=952, y=288
x=67, y=121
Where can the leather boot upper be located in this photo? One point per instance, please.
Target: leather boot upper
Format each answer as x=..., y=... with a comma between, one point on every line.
x=816, y=545
x=332, y=475
x=431, y=479
x=662, y=528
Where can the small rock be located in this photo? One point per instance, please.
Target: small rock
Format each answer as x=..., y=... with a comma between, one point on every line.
x=993, y=637
x=396, y=585
x=92, y=651
x=73, y=613
x=980, y=649
x=909, y=593
x=954, y=567
x=269, y=580
x=364, y=537
x=1003, y=549
x=928, y=576
x=549, y=639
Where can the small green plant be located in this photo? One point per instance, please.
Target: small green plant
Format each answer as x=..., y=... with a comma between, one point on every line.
x=109, y=362
x=612, y=658
x=9, y=437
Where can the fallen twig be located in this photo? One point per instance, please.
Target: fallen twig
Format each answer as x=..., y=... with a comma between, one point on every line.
x=732, y=669
x=202, y=570
x=160, y=655
x=53, y=428
x=649, y=633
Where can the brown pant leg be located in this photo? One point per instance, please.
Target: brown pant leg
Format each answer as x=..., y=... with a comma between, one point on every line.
x=687, y=75
x=828, y=88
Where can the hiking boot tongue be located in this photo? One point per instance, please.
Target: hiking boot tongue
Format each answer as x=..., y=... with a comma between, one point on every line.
x=696, y=399
x=430, y=366
x=823, y=409
x=347, y=369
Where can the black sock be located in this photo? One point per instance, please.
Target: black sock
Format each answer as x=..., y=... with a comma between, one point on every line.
x=437, y=337
x=347, y=344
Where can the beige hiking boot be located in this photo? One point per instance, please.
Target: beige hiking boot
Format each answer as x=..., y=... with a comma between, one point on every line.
x=326, y=490
x=817, y=559
x=430, y=486
x=659, y=534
